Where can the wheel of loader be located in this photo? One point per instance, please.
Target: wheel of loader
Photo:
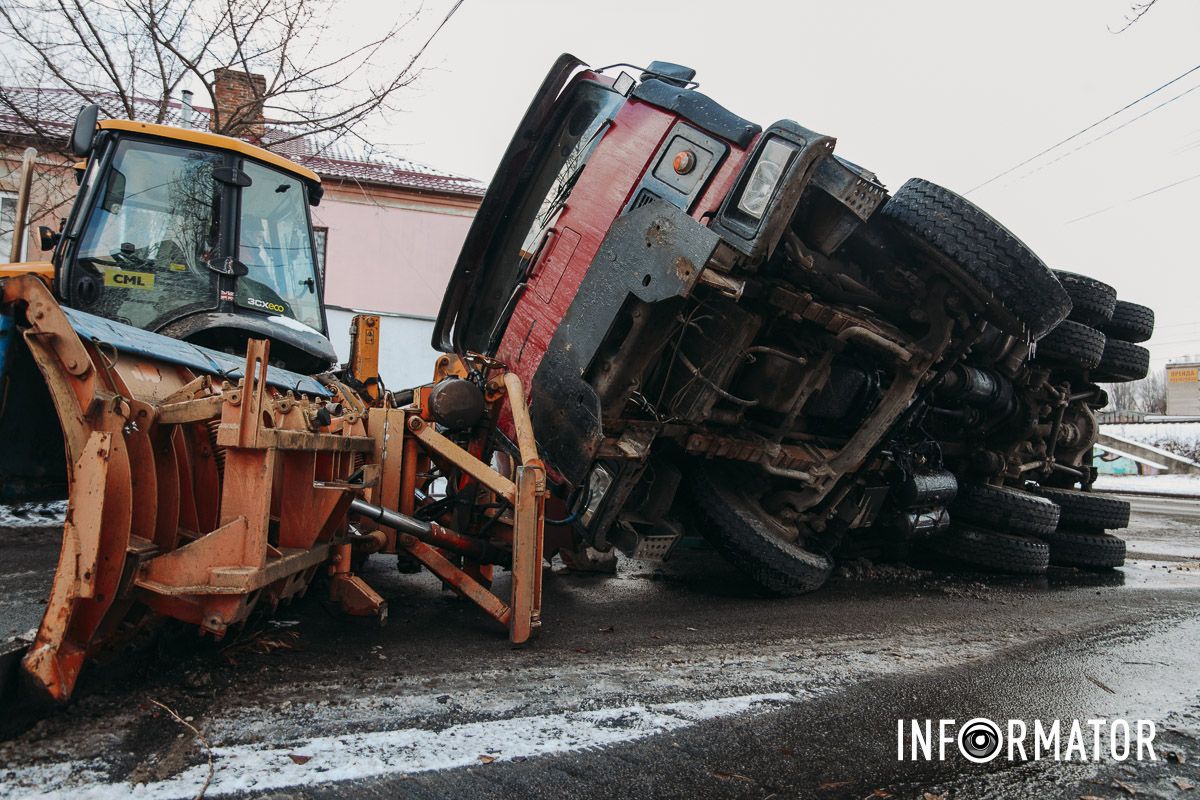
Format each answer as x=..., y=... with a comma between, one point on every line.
x=1004, y=508
x=1087, y=509
x=1085, y=548
x=1071, y=344
x=729, y=505
x=991, y=550
x=1011, y=286
x=1092, y=301
x=1122, y=362
x=1130, y=322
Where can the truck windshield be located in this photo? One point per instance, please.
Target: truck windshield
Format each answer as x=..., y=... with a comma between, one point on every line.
x=275, y=245
x=572, y=134
x=151, y=232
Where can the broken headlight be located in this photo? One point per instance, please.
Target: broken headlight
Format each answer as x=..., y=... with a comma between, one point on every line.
x=764, y=178
x=764, y=196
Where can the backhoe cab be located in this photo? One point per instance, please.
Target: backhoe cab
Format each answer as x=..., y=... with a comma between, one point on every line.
x=195, y=236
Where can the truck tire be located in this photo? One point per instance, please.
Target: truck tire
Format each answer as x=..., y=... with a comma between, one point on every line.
x=1087, y=549
x=1130, y=322
x=1092, y=301
x=1122, y=362
x=1071, y=344
x=1002, y=552
x=1087, y=509
x=1002, y=508
x=1014, y=289
x=748, y=536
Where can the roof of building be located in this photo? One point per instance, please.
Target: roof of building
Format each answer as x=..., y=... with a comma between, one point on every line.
x=52, y=113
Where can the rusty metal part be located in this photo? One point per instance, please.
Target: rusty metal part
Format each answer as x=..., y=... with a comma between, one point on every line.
x=363, y=366
x=160, y=514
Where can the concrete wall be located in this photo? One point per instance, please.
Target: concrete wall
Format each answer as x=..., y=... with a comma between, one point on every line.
x=405, y=357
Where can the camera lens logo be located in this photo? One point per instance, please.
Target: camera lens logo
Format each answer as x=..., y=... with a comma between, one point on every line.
x=979, y=740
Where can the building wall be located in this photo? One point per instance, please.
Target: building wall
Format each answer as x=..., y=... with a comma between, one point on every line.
x=390, y=252
x=1183, y=389
x=51, y=194
x=405, y=356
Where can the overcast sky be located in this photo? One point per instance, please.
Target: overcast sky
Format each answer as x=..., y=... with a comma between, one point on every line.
x=952, y=91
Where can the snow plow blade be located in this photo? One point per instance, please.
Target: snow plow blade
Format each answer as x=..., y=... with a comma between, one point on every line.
x=201, y=486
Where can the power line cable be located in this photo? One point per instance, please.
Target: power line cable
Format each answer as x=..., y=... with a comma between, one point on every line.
x=1132, y=199
x=1079, y=133
x=1107, y=133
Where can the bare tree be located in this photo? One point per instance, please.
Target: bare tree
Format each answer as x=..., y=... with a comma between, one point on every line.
x=1135, y=13
x=1122, y=396
x=1152, y=393
x=118, y=53
x=1148, y=396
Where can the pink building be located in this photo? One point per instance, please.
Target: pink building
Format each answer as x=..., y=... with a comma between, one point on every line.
x=391, y=230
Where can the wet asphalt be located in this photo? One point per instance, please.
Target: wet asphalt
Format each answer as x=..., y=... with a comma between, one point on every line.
x=879, y=644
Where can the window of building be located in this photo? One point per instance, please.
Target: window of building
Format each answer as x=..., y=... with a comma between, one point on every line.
x=8, y=217
x=321, y=235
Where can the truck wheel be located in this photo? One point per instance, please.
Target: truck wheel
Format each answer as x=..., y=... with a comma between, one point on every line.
x=1011, y=285
x=1002, y=508
x=1071, y=344
x=1130, y=322
x=1089, y=549
x=1002, y=552
x=1092, y=301
x=1122, y=362
x=1087, y=509
x=755, y=541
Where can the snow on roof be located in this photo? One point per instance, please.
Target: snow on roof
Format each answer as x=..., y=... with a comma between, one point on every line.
x=53, y=112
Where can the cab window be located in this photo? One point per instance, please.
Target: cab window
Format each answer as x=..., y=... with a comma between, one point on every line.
x=275, y=246
x=143, y=255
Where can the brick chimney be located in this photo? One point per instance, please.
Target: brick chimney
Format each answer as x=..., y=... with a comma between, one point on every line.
x=233, y=89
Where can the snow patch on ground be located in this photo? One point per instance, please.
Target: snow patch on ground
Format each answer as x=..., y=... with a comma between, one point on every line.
x=259, y=768
x=33, y=515
x=1181, y=485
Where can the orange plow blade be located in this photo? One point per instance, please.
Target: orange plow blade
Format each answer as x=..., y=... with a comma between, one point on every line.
x=202, y=488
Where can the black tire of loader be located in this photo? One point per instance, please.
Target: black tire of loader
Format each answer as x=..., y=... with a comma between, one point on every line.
x=1122, y=362
x=1003, y=508
x=735, y=527
x=1092, y=301
x=1001, y=552
x=1016, y=291
x=1087, y=509
x=1071, y=344
x=1086, y=549
x=1130, y=322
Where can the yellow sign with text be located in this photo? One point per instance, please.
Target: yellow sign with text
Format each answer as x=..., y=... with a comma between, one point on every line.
x=124, y=279
x=1185, y=375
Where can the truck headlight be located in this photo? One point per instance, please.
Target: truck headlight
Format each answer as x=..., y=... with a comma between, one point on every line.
x=771, y=164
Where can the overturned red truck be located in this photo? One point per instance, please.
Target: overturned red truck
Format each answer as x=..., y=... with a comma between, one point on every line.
x=736, y=329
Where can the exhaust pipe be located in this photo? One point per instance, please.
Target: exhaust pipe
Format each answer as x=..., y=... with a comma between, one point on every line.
x=28, y=161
